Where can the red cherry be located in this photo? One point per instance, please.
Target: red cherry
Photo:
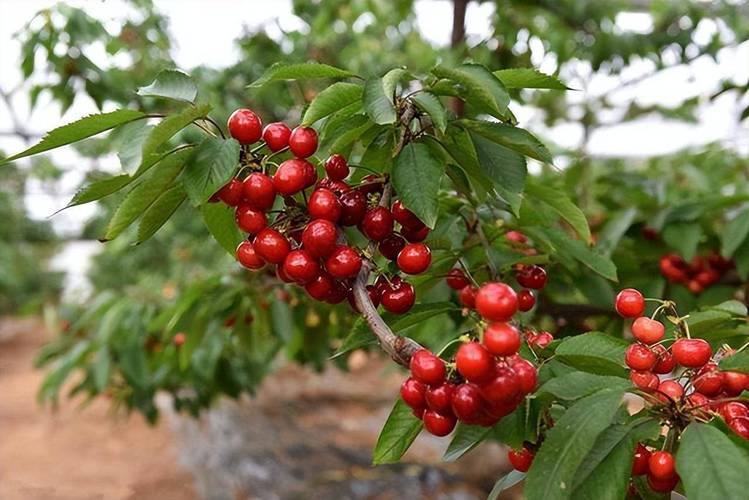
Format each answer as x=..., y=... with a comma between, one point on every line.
x=281, y=274
x=647, y=381
x=674, y=268
x=640, y=463
x=666, y=362
x=231, y=193
x=427, y=367
x=531, y=277
x=374, y=297
x=496, y=302
x=526, y=300
x=630, y=303
x=324, y=204
x=474, y=362
x=456, y=279
x=467, y=296
x=300, y=266
x=319, y=238
x=697, y=400
x=709, y=381
x=338, y=187
x=354, y=206
x=179, y=339
x=391, y=245
x=670, y=390
x=413, y=393
x=502, y=339
x=338, y=293
x=691, y=353
x=466, y=402
x=438, y=424
x=661, y=465
x=520, y=459
x=734, y=409
x=344, y=262
x=740, y=426
x=320, y=287
x=639, y=357
x=258, y=191
x=415, y=235
x=276, y=136
x=398, y=298
x=734, y=382
x=245, y=126
x=377, y=223
x=405, y=217
x=250, y=220
x=527, y=375
x=516, y=237
x=415, y=258
x=336, y=167
x=540, y=339
x=663, y=485
x=648, y=331
x=247, y=256
x=303, y=142
x=291, y=176
x=503, y=388
x=271, y=246
x=310, y=174
x=439, y=398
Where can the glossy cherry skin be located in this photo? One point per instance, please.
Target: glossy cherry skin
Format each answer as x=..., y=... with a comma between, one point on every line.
x=300, y=266
x=245, y=126
x=344, y=262
x=231, y=193
x=438, y=424
x=310, y=174
x=354, y=206
x=503, y=388
x=526, y=300
x=740, y=426
x=661, y=465
x=291, y=177
x=466, y=402
x=398, y=298
x=250, y=220
x=467, y=296
x=324, y=204
x=639, y=357
x=427, y=368
x=413, y=393
x=670, y=390
x=475, y=362
x=647, y=381
x=405, y=217
x=415, y=258
x=338, y=293
x=648, y=331
x=303, y=142
x=531, y=277
x=336, y=167
x=665, y=363
x=276, y=136
x=691, y=353
x=527, y=375
x=521, y=460
x=630, y=303
x=258, y=191
x=319, y=238
x=734, y=382
x=415, y=235
x=439, y=398
x=320, y=287
x=271, y=245
x=391, y=245
x=708, y=382
x=338, y=187
x=734, y=409
x=377, y=223
x=457, y=279
x=496, y=302
x=247, y=256
x=640, y=463
x=502, y=339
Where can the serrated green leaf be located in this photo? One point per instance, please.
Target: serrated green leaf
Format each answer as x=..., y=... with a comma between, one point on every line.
x=166, y=129
x=161, y=210
x=391, y=79
x=400, y=430
x=735, y=233
x=172, y=84
x=213, y=164
x=379, y=153
x=99, y=189
x=515, y=138
x=562, y=205
x=529, y=78
x=506, y=169
x=483, y=89
x=465, y=438
x=219, y=219
x=379, y=107
x=576, y=385
x=416, y=176
x=303, y=71
x=332, y=99
x=81, y=129
x=130, y=151
x=594, y=352
x=570, y=247
x=349, y=130
x=431, y=105
x=738, y=362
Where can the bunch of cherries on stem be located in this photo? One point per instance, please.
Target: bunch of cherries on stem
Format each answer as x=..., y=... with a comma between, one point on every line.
x=698, y=274
x=697, y=390
x=305, y=241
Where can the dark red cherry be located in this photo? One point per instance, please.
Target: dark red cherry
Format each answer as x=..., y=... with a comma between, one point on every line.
x=336, y=167
x=344, y=262
x=531, y=277
x=457, y=279
x=250, y=220
x=398, y=298
x=320, y=287
x=291, y=176
x=405, y=217
x=247, y=256
x=271, y=245
x=320, y=238
x=391, y=245
x=324, y=204
x=427, y=367
x=231, y=193
x=415, y=258
x=354, y=206
x=377, y=223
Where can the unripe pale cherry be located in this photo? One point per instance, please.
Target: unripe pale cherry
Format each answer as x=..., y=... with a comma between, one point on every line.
x=648, y=331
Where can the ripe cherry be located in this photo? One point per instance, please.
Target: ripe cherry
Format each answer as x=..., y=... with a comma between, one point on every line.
x=303, y=142
x=457, y=279
x=415, y=235
x=516, y=237
x=531, y=277
x=413, y=393
x=250, y=220
x=391, y=245
x=467, y=296
x=709, y=381
x=661, y=465
x=398, y=298
x=648, y=331
x=231, y=193
x=502, y=339
x=697, y=400
x=734, y=409
x=503, y=388
x=521, y=459
x=300, y=266
x=310, y=174
x=377, y=223
x=663, y=485
x=247, y=256
x=338, y=293
x=258, y=191
x=354, y=206
x=439, y=398
x=405, y=217
x=639, y=357
x=496, y=302
x=734, y=382
x=438, y=424
x=319, y=238
x=630, y=303
x=474, y=362
x=271, y=245
x=338, y=187
x=669, y=390
x=526, y=300
x=415, y=258
x=691, y=353
x=540, y=339
x=527, y=375
x=665, y=363
x=427, y=368
x=281, y=274
x=336, y=167
x=640, y=463
x=320, y=287
x=647, y=381
x=344, y=262
x=324, y=204
x=466, y=402
x=276, y=136
x=374, y=297
x=291, y=176
x=245, y=126
x=740, y=426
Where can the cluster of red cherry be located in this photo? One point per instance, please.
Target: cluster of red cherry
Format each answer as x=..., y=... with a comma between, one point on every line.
x=698, y=274
x=306, y=241
x=700, y=390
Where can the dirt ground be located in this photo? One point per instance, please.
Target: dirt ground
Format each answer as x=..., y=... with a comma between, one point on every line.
x=73, y=454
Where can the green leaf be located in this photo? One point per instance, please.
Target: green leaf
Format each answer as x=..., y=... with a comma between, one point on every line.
x=281, y=318
x=302, y=71
x=416, y=176
x=131, y=140
x=214, y=163
x=515, y=138
x=400, y=430
x=146, y=192
x=465, y=438
x=710, y=465
x=219, y=219
x=506, y=482
x=594, y=352
x=683, y=237
x=576, y=385
x=735, y=233
x=391, y=79
x=552, y=474
x=78, y=130
x=99, y=189
x=350, y=130
x=506, y=169
x=171, y=84
x=332, y=99
x=528, y=78
x=562, y=205
x=431, y=105
x=576, y=249
x=161, y=210
x=614, y=229
x=166, y=129
x=484, y=90
x=378, y=106
x=737, y=362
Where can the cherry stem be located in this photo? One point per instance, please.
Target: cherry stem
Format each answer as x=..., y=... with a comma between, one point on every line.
x=213, y=122
x=365, y=168
x=461, y=338
x=257, y=148
x=276, y=153
x=204, y=129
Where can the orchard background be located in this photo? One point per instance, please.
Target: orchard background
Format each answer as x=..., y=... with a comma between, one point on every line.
x=566, y=149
